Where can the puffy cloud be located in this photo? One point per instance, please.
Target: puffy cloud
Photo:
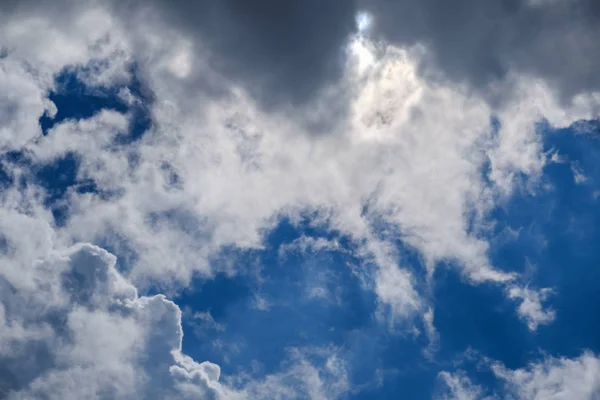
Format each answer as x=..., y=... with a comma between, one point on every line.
x=78, y=329
x=554, y=378
x=531, y=308
x=218, y=170
x=404, y=158
x=47, y=36
x=243, y=150
x=21, y=106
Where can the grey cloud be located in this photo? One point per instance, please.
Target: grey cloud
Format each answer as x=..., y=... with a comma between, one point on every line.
x=480, y=42
x=282, y=51
x=285, y=51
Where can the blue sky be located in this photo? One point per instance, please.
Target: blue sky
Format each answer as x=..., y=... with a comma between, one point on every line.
x=175, y=226
x=555, y=247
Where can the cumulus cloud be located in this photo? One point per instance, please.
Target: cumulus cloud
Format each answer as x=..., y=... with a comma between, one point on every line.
x=78, y=329
x=228, y=154
x=531, y=309
x=21, y=106
x=554, y=378
x=216, y=171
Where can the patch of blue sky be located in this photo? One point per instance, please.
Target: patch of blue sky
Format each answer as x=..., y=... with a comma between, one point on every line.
x=569, y=259
x=549, y=237
x=295, y=300
x=303, y=300
x=554, y=244
x=75, y=100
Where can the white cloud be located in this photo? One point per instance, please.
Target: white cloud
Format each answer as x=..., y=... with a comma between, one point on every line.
x=578, y=174
x=394, y=288
x=317, y=373
x=22, y=103
x=531, y=309
x=307, y=244
x=206, y=320
x=90, y=334
x=48, y=39
x=551, y=378
x=410, y=152
x=80, y=330
x=458, y=386
x=431, y=332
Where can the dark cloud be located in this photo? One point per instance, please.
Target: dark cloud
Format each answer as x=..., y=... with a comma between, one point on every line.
x=283, y=51
x=478, y=42
x=286, y=50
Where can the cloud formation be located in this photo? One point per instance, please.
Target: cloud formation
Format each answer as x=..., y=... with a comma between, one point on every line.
x=289, y=52
x=458, y=386
x=414, y=147
x=484, y=43
x=73, y=328
x=530, y=308
x=279, y=51
x=411, y=150
x=554, y=378
x=549, y=378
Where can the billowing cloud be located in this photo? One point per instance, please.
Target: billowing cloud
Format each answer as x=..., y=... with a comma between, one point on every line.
x=410, y=150
x=75, y=328
x=414, y=148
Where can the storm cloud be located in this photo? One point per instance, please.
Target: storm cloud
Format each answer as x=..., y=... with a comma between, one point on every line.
x=288, y=51
x=282, y=51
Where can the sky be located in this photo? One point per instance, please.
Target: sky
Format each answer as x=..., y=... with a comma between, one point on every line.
x=302, y=199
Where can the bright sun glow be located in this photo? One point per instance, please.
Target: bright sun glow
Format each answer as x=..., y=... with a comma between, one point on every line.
x=363, y=21
x=363, y=51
